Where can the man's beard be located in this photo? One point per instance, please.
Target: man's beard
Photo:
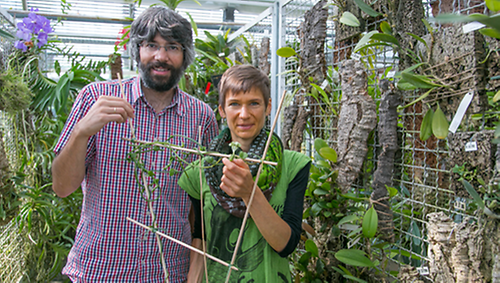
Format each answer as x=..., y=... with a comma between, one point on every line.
x=159, y=83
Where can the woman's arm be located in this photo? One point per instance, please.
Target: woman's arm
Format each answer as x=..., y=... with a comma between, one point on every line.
x=195, y=274
x=237, y=181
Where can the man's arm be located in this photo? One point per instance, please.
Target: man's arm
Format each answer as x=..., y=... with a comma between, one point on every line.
x=68, y=168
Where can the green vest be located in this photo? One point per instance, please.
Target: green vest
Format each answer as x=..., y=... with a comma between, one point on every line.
x=256, y=260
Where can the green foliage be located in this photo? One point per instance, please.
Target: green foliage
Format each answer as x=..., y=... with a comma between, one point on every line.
x=349, y=19
x=339, y=213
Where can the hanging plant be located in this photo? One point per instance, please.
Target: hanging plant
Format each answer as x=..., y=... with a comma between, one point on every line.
x=14, y=92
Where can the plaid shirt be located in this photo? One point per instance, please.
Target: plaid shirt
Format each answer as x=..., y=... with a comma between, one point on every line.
x=107, y=247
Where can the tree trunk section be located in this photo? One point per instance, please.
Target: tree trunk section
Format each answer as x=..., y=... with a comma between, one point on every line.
x=357, y=118
x=388, y=139
x=264, y=65
x=312, y=65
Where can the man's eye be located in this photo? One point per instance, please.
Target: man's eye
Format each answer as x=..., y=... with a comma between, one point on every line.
x=152, y=46
x=173, y=47
x=233, y=104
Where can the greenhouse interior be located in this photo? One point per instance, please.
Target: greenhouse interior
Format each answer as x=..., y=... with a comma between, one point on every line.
x=393, y=104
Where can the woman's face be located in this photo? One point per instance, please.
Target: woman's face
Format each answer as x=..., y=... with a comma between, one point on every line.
x=246, y=114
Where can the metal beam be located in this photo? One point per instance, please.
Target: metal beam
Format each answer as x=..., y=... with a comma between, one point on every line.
x=7, y=16
x=275, y=66
x=246, y=27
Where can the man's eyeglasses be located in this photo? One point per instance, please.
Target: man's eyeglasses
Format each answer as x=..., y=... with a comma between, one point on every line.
x=171, y=49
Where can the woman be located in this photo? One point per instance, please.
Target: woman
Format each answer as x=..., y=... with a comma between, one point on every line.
x=273, y=229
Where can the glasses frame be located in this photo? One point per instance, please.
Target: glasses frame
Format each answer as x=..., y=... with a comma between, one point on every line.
x=152, y=51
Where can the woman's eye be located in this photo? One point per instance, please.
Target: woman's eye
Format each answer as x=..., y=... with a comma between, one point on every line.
x=233, y=104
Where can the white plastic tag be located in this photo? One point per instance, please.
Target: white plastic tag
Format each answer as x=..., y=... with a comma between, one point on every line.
x=356, y=56
x=464, y=104
x=424, y=270
x=472, y=26
x=391, y=74
x=324, y=84
x=471, y=146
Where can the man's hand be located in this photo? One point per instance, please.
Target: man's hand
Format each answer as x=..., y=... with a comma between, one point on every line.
x=106, y=109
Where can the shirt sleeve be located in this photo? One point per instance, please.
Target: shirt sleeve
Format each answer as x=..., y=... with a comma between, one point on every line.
x=294, y=206
x=83, y=102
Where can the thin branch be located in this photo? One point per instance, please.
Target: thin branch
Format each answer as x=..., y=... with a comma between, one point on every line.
x=132, y=131
x=153, y=217
x=242, y=229
x=199, y=151
x=201, y=206
x=180, y=243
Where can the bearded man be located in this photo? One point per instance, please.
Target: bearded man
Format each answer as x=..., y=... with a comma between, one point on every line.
x=92, y=153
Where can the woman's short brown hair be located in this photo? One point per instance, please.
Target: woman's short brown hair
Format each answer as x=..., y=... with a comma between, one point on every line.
x=242, y=78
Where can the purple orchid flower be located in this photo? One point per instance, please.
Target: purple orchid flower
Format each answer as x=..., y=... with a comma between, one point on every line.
x=33, y=28
x=20, y=45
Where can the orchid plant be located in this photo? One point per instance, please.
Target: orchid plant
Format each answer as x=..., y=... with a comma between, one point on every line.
x=33, y=30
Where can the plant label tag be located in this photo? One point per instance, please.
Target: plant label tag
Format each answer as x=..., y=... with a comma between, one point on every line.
x=353, y=242
x=424, y=270
x=324, y=84
x=460, y=205
x=391, y=74
x=356, y=56
x=472, y=27
x=464, y=104
x=471, y=146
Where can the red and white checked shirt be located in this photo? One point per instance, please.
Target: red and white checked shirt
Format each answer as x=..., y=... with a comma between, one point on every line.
x=107, y=247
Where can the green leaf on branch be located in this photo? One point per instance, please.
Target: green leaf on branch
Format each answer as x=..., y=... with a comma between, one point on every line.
x=385, y=27
x=496, y=97
x=370, y=223
x=354, y=278
x=470, y=189
x=385, y=38
x=311, y=247
x=366, y=8
x=440, y=124
x=347, y=219
x=328, y=153
x=354, y=257
x=319, y=143
x=349, y=19
x=419, y=80
x=426, y=126
x=493, y=5
x=490, y=32
x=364, y=40
x=418, y=38
x=391, y=190
x=286, y=52
x=417, y=100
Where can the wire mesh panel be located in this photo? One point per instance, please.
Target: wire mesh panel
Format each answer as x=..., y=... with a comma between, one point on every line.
x=11, y=254
x=424, y=170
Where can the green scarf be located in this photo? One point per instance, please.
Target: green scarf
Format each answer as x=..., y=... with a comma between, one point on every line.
x=268, y=179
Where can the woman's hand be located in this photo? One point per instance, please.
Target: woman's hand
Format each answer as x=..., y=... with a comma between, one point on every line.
x=237, y=179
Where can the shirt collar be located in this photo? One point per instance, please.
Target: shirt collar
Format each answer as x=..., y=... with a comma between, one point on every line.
x=178, y=101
